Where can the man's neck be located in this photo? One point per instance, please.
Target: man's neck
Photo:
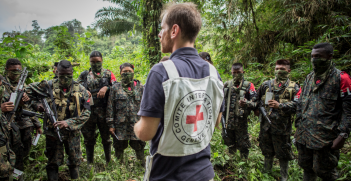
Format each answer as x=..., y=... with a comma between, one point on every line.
x=181, y=44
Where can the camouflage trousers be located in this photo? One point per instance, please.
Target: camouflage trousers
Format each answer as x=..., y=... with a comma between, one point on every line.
x=321, y=162
x=121, y=145
x=275, y=145
x=26, y=139
x=55, y=151
x=5, y=166
x=238, y=139
x=17, y=147
x=97, y=118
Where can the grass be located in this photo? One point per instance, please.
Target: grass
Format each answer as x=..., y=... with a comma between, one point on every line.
x=227, y=166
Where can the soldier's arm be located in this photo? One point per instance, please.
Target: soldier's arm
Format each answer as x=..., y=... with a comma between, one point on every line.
x=290, y=107
x=77, y=123
x=110, y=109
x=252, y=98
x=345, y=87
x=80, y=79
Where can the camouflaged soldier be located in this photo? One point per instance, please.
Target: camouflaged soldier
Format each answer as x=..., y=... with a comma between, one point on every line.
x=7, y=156
x=122, y=108
x=98, y=81
x=22, y=127
x=323, y=116
x=274, y=137
x=239, y=97
x=71, y=100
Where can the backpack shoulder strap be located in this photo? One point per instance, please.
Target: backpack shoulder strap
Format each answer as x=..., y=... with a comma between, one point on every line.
x=171, y=69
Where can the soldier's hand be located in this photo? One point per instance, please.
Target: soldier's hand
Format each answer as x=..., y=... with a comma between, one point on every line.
x=89, y=94
x=38, y=131
x=338, y=143
x=102, y=92
x=273, y=104
x=242, y=103
x=7, y=106
x=257, y=112
x=61, y=124
x=112, y=131
x=40, y=108
x=25, y=97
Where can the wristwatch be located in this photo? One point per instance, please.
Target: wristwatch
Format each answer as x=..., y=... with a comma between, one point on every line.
x=344, y=135
x=280, y=106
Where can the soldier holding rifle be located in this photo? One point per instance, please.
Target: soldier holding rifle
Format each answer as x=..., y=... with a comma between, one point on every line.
x=239, y=96
x=21, y=127
x=279, y=98
x=69, y=105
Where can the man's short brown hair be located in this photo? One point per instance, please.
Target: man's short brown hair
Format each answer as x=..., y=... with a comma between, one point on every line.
x=186, y=16
x=283, y=62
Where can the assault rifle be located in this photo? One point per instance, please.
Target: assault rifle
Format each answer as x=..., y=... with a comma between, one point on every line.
x=51, y=116
x=224, y=127
x=17, y=95
x=263, y=112
x=31, y=114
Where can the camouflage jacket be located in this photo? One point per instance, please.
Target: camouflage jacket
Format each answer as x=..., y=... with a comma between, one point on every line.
x=287, y=95
x=121, y=107
x=22, y=122
x=94, y=84
x=7, y=156
x=236, y=113
x=324, y=109
x=66, y=102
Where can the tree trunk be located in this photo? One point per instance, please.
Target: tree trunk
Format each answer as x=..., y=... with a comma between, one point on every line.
x=151, y=27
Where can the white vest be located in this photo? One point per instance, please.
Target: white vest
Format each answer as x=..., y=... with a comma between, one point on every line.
x=191, y=110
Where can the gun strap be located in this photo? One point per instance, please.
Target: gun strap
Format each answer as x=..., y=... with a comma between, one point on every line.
x=228, y=99
x=52, y=98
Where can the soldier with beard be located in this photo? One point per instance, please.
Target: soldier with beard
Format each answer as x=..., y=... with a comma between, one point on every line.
x=21, y=133
x=70, y=101
x=274, y=138
x=123, y=106
x=98, y=81
x=323, y=116
x=239, y=95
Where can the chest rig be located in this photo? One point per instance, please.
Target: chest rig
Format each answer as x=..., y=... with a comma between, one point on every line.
x=95, y=84
x=128, y=106
x=67, y=104
x=234, y=95
x=281, y=95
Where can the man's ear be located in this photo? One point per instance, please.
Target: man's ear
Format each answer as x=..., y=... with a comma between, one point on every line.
x=175, y=31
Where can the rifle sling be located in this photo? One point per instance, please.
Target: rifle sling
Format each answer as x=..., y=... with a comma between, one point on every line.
x=52, y=99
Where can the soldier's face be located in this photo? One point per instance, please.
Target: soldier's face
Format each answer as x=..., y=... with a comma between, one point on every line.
x=283, y=67
x=237, y=71
x=321, y=53
x=14, y=71
x=95, y=59
x=127, y=70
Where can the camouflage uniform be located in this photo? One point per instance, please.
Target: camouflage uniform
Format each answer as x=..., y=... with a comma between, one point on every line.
x=323, y=112
x=7, y=156
x=237, y=133
x=98, y=112
x=74, y=114
x=26, y=126
x=122, y=112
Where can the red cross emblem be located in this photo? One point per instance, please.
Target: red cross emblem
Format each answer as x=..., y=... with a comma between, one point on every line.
x=194, y=119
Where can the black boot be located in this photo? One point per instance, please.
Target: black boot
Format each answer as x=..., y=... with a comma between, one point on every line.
x=284, y=165
x=119, y=155
x=268, y=163
x=74, y=171
x=140, y=156
x=107, y=150
x=90, y=153
x=309, y=176
x=52, y=173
